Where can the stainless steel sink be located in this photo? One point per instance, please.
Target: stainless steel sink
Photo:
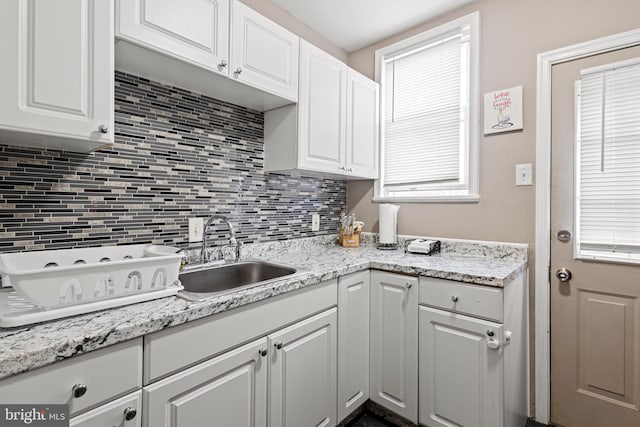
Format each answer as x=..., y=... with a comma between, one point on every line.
x=202, y=282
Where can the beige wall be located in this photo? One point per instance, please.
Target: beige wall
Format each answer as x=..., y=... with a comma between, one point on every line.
x=512, y=34
x=282, y=17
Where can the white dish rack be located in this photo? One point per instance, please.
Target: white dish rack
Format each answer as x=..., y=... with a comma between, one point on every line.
x=59, y=283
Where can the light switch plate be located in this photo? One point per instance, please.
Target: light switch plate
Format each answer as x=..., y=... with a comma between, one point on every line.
x=524, y=174
x=315, y=222
x=196, y=226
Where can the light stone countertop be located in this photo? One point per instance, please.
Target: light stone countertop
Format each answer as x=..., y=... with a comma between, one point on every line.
x=484, y=263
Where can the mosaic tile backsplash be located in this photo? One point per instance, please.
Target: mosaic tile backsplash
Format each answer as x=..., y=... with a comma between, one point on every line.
x=177, y=155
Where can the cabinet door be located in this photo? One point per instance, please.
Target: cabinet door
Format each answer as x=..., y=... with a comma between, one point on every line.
x=362, y=126
x=460, y=376
x=321, y=111
x=57, y=73
x=263, y=54
x=394, y=343
x=353, y=342
x=229, y=390
x=123, y=412
x=195, y=31
x=303, y=373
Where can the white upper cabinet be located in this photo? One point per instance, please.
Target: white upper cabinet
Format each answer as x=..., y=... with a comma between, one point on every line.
x=321, y=111
x=219, y=48
x=57, y=74
x=263, y=54
x=362, y=125
x=196, y=31
x=334, y=127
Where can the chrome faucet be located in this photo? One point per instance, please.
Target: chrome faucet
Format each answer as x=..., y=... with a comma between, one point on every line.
x=232, y=238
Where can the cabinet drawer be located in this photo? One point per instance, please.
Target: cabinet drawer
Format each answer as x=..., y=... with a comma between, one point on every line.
x=123, y=412
x=473, y=300
x=106, y=373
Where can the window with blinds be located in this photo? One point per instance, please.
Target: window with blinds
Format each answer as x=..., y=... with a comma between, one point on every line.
x=608, y=162
x=426, y=85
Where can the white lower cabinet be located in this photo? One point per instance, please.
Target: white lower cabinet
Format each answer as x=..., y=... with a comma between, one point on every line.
x=232, y=389
x=460, y=370
x=394, y=343
x=228, y=390
x=353, y=342
x=303, y=369
x=123, y=412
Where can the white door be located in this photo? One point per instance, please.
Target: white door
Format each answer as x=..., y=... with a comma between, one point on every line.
x=263, y=54
x=123, y=412
x=362, y=126
x=460, y=376
x=321, y=111
x=353, y=342
x=303, y=390
x=57, y=70
x=229, y=390
x=394, y=343
x=194, y=31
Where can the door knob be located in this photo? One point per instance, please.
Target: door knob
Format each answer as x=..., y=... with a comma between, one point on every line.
x=79, y=390
x=222, y=64
x=563, y=274
x=278, y=345
x=130, y=413
x=103, y=129
x=237, y=72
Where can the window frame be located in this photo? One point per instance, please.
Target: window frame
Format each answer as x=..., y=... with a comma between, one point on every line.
x=461, y=192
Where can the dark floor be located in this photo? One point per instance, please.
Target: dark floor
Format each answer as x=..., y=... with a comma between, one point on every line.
x=369, y=420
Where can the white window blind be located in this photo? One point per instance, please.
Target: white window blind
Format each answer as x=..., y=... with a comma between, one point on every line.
x=425, y=107
x=608, y=163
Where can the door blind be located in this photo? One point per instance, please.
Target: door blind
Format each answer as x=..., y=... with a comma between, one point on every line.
x=424, y=111
x=608, y=161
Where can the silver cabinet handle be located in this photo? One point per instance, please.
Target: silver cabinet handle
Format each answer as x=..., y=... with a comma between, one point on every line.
x=343, y=169
x=103, y=129
x=350, y=170
x=490, y=333
x=278, y=345
x=237, y=72
x=409, y=285
x=130, y=413
x=222, y=64
x=454, y=298
x=262, y=352
x=79, y=390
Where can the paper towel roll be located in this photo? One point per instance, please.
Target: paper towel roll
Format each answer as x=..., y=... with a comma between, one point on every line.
x=388, y=220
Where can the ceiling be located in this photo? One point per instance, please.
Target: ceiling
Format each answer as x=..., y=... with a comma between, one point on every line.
x=354, y=24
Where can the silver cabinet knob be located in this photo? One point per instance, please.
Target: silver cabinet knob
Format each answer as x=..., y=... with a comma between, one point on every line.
x=490, y=333
x=222, y=64
x=343, y=169
x=454, y=298
x=278, y=345
x=79, y=390
x=262, y=352
x=564, y=274
x=130, y=413
x=237, y=72
x=103, y=129
x=350, y=170
x=409, y=285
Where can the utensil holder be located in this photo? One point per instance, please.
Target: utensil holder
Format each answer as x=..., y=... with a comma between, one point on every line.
x=350, y=240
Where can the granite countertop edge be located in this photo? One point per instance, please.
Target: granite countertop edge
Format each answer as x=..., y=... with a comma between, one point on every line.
x=30, y=347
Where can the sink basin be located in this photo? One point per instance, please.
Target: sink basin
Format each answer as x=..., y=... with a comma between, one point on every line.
x=202, y=282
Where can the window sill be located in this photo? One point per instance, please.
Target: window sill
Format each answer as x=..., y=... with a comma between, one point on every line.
x=469, y=198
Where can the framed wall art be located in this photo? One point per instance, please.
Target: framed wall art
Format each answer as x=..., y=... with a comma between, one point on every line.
x=503, y=110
